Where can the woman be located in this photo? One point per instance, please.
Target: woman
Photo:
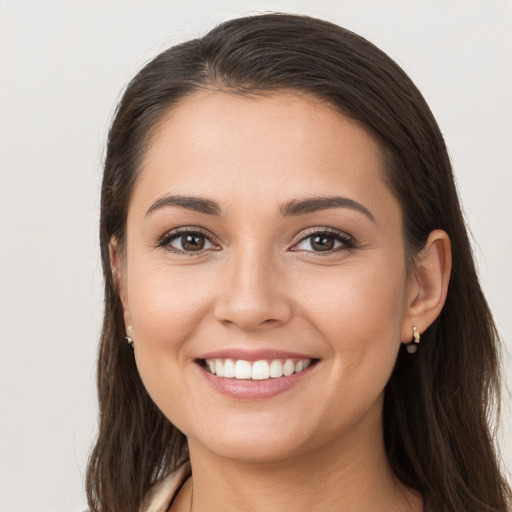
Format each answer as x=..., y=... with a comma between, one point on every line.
x=285, y=255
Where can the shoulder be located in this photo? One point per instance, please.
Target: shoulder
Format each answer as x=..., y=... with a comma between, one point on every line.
x=163, y=492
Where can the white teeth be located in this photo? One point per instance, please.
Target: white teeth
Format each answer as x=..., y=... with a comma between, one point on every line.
x=229, y=369
x=258, y=370
x=243, y=370
x=219, y=368
x=276, y=369
x=288, y=368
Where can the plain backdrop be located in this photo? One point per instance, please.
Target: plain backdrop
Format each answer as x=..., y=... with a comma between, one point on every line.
x=63, y=65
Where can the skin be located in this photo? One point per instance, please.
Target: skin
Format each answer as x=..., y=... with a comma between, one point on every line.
x=259, y=284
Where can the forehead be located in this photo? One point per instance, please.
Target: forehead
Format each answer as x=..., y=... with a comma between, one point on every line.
x=233, y=147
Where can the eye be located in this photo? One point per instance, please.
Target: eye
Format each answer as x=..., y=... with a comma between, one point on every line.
x=185, y=241
x=324, y=241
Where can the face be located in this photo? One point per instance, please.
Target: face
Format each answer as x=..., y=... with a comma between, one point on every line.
x=264, y=275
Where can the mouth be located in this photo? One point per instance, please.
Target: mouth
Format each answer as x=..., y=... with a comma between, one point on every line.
x=254, y=374
x=260, y=370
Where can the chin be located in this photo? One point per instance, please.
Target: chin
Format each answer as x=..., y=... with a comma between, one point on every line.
x=255, y=443
x=255, y=451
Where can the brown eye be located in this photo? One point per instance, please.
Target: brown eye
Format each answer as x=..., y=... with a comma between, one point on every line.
x=192, y=242
x=322, y=243
x=325, y=241
x=187, y=242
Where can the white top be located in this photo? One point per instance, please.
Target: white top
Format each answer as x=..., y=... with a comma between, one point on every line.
x=164, y=491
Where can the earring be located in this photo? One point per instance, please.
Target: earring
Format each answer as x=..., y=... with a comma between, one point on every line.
x=412, y=347
x=129, y=339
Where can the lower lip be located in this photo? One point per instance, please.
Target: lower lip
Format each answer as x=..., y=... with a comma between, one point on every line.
x=254, y=389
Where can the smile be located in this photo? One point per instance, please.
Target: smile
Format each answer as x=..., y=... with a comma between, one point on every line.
x=256, y=370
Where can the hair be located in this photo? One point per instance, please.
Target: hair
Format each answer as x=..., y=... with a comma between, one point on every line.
x=440, y=402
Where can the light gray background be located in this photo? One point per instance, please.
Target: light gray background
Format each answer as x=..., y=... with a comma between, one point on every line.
x=62, y=67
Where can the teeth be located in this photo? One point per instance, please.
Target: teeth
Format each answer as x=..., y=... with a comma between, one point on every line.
x=288, y=368
x=219, y=368
x=258, y=370
x=276, y=369
x=243, y=369
x=229, y=368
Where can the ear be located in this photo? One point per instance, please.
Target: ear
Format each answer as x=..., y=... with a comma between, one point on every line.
x=428, y=284
x=118, y=269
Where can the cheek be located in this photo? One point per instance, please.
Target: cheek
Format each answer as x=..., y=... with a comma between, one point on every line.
x=359, y=311
x=166, y=308
x=166, y=304
x=362, y=298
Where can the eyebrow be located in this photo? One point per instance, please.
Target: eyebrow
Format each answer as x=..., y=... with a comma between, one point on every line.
x=289, y=209
x=314, y=204
x=197, y=204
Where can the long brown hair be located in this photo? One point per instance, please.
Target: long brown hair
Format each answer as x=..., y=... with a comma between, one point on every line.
x=438, y=402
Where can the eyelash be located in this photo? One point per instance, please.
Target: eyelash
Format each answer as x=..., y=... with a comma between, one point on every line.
x=347, y=242
x=344, y=239
x=165, y=240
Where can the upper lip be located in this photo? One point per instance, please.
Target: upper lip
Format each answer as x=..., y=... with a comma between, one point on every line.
x=253, y=355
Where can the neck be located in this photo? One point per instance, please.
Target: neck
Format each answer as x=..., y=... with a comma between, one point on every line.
x=345, y=475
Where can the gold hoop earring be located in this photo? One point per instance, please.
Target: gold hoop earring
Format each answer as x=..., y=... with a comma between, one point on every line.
x=412, y=347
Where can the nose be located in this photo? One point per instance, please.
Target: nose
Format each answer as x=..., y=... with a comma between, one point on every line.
x=252, y=295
